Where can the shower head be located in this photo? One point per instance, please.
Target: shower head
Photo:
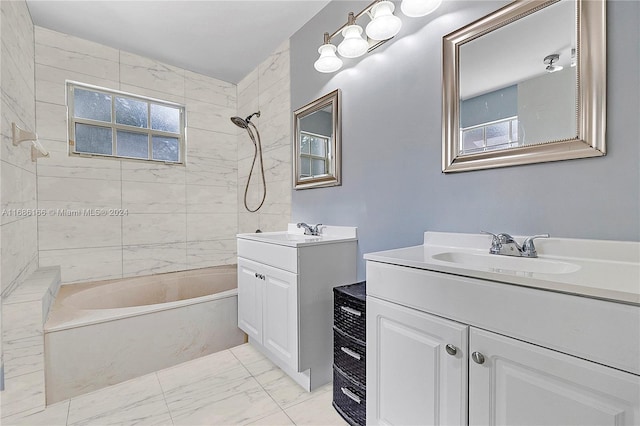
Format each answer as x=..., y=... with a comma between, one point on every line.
x=240, y=122
x=243, y=123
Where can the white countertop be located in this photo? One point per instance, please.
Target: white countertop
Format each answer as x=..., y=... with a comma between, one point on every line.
x=294, y=236
x=601, y=269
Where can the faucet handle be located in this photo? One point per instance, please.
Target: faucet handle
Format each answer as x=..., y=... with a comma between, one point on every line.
x=528, y=249
x=316, y=229
x=495, y=242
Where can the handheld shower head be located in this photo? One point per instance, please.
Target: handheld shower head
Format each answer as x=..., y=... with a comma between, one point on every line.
x=240, y=122
x=243, y=123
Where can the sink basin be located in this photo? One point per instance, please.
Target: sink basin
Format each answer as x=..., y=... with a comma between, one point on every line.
x=506, y=263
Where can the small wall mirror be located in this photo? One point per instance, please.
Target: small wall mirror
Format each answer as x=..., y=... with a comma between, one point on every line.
x=316, y=153
x=525, y=84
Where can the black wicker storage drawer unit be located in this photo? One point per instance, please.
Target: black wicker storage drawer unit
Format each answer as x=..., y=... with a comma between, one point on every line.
x=349, y=352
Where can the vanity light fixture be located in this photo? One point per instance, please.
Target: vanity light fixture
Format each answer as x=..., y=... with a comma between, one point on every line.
x=328, y=61
x=384, y=25
x=417, y=8
x=353, y=45
x=549, y=61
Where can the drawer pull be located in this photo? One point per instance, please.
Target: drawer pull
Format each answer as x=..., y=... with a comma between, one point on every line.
x=352, y=396
x=351, y=311
x=351, y=353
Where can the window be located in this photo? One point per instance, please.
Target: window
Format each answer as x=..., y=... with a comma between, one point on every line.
x=314, y=154
x=115, y=124
x=491, y=136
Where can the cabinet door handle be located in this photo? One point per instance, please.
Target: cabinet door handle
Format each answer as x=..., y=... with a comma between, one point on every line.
x=257, y=275
x=477, y=357
x=351, y=311
x=451, y=350
x=351, y=353
x=352, y=396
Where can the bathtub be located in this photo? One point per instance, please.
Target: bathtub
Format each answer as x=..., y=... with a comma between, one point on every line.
x=106, y=332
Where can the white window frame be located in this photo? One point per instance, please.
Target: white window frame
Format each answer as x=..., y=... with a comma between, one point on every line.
x=72, y=120
x=326, y=158
x=512, y=143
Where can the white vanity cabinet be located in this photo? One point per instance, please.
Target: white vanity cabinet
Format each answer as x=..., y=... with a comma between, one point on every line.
x=443, y=348
x=285, y=298
x=268, y=308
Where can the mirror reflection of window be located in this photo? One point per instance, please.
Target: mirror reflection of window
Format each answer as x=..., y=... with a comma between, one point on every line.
x=314, y=154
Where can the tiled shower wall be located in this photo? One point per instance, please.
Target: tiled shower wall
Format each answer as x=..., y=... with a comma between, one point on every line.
x=266, y=89
x=178, y=217
x=18, y=239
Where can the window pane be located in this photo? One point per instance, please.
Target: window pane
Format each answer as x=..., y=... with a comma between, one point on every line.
x=472, y=140
x=131, y=112
x=318, y=167
x=135, y=145
x=91, y=105
x=165, y=118
x=305, y=143
x=498, y=134
x=318, y=147
x=93, y=139
x=305, y=167
x=514, y=130
x=166, y=149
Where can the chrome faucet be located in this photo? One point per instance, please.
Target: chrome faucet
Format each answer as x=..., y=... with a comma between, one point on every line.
x=505, y=245
x=308, y=230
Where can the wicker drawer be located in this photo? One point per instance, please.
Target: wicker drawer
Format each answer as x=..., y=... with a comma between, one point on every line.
x=350, y=357
x=349, y=316
x=349, y=399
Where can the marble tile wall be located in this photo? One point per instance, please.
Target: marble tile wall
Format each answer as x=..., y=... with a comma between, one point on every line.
x=267, y=89
x=18, y=240
x=179, y=217
x=18, y=232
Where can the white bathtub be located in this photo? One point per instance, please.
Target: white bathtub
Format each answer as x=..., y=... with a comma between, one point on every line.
x=103, y=333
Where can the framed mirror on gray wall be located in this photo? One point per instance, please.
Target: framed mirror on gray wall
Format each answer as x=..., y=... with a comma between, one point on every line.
x=525, y=84
x=317, y=143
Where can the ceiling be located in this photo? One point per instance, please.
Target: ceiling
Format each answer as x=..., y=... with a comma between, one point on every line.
x=222, y=39
x=515, y=52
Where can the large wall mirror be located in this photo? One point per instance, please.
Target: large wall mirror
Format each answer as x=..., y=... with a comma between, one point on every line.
x=525, y=84
x=316, y=140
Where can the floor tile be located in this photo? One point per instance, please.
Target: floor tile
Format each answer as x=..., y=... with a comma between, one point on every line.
x=316, y=411
x=236, y=402
x=54, y=415
x=282, y=388
x=135, y=402
x=247, y=354
x=278, y=419
x=23, y=394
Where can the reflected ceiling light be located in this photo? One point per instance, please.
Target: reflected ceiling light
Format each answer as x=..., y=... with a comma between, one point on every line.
x=384, y=24
x=328, y=61
x=417, y=8
x=549, y=61
x=353, y=44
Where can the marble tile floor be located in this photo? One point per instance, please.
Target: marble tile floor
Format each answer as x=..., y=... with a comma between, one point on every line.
x=238, y=386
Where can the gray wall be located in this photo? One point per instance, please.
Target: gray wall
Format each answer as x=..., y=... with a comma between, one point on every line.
x=492, y=106
x=393, y=189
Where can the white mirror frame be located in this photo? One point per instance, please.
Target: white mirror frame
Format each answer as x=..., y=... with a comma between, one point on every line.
x=591, y=93
x=335, y=178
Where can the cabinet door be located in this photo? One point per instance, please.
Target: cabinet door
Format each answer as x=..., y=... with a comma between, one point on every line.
x=249, y=299
x=280, y=314
x=411, y=378
x=522, y=384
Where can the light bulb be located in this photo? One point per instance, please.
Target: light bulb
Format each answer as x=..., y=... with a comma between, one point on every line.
x=384, y=24
x=417, y=8
x=328, y=61
x=353, y=44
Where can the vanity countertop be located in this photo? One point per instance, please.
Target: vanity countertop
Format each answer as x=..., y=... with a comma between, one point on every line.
x=295, y=237
x=608, y=270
